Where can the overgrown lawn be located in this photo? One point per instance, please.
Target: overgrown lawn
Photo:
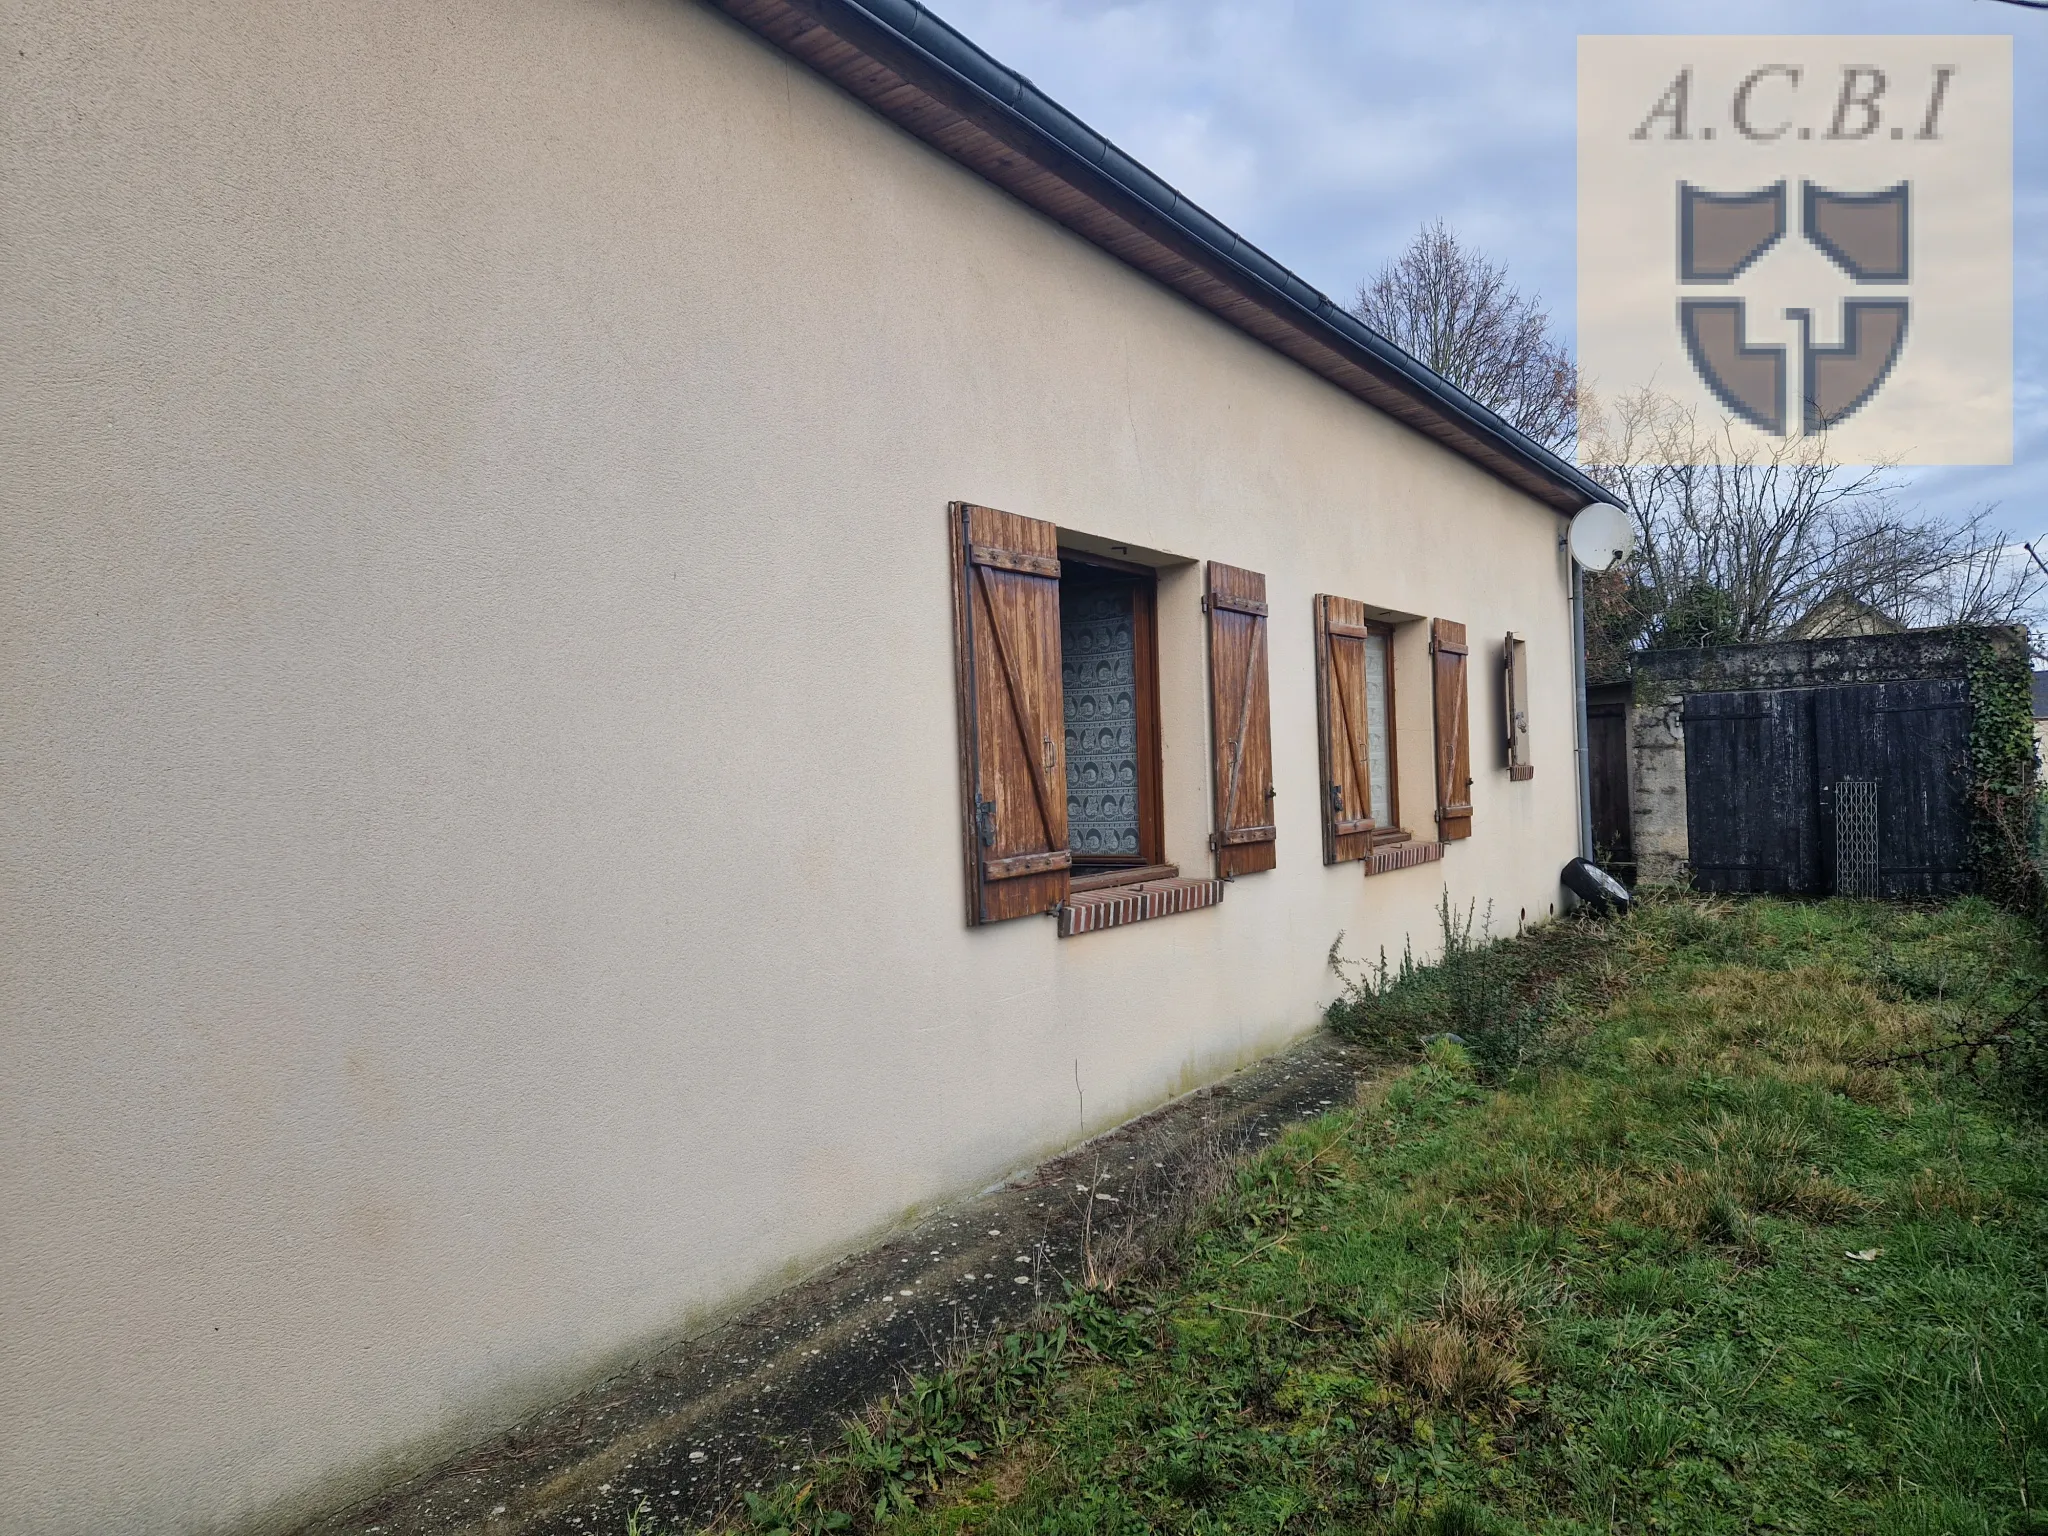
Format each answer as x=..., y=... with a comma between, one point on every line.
x=1668, y=1239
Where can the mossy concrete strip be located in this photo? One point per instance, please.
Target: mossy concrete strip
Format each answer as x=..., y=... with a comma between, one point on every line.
x=690, y=1428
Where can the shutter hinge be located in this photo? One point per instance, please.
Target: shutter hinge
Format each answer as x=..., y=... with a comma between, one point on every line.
x=985, y=820
x=1205, y=604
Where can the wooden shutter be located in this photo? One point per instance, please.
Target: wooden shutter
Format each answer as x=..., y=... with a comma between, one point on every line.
x=1241, y=717
x=1453, y=731
x=1006, y=633
x=1340, y=721
x=1514, y=662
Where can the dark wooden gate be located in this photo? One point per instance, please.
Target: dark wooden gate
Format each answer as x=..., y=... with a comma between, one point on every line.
x=1861, y=790
x=1607, y=759
x=1752, y=811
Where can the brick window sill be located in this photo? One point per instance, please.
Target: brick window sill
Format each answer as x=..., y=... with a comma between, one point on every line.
x=1405, y=854
x=1114, y=906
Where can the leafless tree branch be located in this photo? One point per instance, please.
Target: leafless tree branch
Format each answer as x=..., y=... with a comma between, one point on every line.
x=1737, y=542
x=1453, y=309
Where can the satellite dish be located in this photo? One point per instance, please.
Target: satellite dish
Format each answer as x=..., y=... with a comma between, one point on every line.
x=1602, y=535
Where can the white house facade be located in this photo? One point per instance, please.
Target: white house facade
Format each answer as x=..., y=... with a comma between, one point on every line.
x=643, y=639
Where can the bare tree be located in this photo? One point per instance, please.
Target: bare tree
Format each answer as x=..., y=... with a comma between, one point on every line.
x=1972, y=573
x=1453, y=309
x=1737, y=542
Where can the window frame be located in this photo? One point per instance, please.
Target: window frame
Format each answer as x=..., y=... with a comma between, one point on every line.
x=1393, y=831
x=1095, y=871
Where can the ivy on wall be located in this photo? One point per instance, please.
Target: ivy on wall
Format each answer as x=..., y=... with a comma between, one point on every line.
x=2002, y=775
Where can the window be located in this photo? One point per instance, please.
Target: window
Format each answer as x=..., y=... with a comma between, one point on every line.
x=1056, y=665
x=1355, y=714
x=1109, y=695
x=1379, y=724
x=1355, y=707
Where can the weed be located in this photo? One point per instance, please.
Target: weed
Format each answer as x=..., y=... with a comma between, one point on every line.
x=1488, y=995
x=1636, y=1433
x=787, y=1512
x=1449, y=1366
x=1158, y=1213
x=1939, y=1193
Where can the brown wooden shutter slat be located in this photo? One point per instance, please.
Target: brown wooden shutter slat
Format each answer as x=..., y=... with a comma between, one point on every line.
x=1340, y=717
x=1232, y=603
x=1453, y=731
x=1240, y=835
x=1241, y=720
x=1013, y=560
x=1006, y=631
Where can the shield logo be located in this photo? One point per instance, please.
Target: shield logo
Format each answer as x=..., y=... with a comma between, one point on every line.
x=1721, y=235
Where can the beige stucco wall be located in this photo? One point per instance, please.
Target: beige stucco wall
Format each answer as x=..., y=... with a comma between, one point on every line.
x=481, y=883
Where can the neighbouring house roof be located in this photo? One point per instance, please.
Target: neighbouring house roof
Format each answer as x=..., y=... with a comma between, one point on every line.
x=1841, y=614
x=920, y=73
x=2041, y=695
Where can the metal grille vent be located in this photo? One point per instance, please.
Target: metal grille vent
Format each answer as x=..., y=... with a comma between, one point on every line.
x=1856, y=870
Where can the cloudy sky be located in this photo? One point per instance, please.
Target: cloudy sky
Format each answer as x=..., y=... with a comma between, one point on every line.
x=1328, y=131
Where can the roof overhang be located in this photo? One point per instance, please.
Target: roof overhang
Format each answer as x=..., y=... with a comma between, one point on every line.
x=921, y=74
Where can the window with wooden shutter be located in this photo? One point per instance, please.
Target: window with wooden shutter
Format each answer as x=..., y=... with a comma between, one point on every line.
x=1342, y=704
x=1241, y=716
x=1514, y=663
x=1448, y=659
x=1109, y=668
x=1006, y=622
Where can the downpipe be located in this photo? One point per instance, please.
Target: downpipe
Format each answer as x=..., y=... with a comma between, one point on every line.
x=1580, y=756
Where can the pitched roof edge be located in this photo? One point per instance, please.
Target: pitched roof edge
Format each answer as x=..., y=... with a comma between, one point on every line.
x=916, y=70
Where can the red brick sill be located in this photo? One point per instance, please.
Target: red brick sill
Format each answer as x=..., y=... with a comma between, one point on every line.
x=1401, y=856
x=1114, y=906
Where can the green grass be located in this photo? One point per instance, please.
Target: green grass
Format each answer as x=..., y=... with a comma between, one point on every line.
x=1661, y=1252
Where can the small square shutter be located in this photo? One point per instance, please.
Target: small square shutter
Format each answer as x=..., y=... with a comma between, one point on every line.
x=1006, y=633
x=1514, y=661
x=1340, y=719
x=1241, y=718
x=1453, y=731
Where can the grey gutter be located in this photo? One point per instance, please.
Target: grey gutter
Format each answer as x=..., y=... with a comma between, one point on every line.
x=940, y=48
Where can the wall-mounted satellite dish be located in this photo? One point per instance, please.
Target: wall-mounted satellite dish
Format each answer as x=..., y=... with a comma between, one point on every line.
x=1602, y=536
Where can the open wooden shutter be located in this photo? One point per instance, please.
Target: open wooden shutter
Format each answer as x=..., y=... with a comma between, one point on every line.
x=1241, y=718
x=1453, y=731
x=1340, y=720
x=1006, y=632
x=1514, y=691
